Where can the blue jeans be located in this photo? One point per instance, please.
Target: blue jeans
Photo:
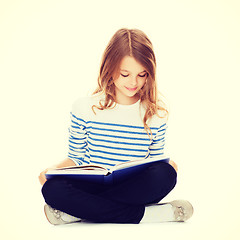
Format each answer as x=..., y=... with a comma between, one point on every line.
x=123, y=202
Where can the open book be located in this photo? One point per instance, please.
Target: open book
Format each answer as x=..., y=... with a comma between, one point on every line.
x=96, y=173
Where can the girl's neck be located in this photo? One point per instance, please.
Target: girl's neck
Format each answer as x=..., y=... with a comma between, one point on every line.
x=127, y=100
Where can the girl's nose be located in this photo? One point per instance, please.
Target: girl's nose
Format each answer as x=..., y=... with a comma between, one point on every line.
x=133, y=81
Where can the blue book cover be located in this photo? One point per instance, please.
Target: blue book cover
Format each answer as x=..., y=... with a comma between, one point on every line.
x=95, y=173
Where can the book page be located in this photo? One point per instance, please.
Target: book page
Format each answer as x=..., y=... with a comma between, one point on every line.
x=88, y=169
x=138, y=162
x=87, y=166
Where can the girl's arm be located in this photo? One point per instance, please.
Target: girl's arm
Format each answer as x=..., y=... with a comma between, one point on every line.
x=157, y=146
x=65, y=163
x=77, y=145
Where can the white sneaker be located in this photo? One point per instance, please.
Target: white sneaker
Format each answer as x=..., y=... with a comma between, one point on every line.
x=183, y=210
x=57, y=217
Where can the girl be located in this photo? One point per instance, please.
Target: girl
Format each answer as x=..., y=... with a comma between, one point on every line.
x=123, y=120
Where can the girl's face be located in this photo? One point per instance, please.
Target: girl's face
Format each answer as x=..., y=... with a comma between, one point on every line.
x=131, y=79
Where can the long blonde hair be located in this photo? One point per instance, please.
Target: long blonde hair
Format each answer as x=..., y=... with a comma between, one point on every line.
x=134, y=43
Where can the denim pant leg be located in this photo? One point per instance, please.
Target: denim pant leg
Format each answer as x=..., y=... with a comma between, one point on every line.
x=149, y=186
x=65, y=196
x=121, y=203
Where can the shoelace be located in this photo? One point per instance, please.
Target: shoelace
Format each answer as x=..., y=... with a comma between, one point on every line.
x=56, y=212
x=180, y=213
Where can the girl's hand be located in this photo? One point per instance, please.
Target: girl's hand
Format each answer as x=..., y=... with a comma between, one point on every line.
x=65, y=163
x=174, y=165
x=42, y=177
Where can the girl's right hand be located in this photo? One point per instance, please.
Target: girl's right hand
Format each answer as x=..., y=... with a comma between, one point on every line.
x=65, y=163
x=42, y=177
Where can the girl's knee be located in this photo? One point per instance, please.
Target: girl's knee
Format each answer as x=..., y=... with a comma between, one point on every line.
x=165, y=169
x=51, y=189
x=166, y=174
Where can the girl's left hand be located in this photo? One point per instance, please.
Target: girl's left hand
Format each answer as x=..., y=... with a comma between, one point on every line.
x=173, y=164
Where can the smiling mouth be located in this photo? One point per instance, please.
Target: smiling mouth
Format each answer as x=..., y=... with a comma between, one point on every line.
x=131, y=89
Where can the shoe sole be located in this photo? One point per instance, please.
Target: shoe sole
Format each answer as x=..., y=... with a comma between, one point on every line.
x=55, y=221
x=187, y=206
x=46, y=209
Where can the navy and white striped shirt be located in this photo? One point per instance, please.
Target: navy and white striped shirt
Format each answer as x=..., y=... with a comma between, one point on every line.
x=112, y=136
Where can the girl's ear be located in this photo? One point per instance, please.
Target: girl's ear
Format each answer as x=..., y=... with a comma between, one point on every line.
x=146, y=82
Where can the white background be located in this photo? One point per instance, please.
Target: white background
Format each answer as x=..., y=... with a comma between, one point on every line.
x=50, y=53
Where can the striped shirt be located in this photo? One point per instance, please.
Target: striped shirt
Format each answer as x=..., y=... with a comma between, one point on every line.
x=112, y=136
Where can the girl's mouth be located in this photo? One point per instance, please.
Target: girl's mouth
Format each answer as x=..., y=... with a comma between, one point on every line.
x=131, y=89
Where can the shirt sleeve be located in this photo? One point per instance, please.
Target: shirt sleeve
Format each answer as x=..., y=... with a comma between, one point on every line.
x=77, y=140
x=157, y=146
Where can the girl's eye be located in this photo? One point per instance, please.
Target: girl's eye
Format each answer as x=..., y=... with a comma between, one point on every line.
x=142, y=76
x=124, y=75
